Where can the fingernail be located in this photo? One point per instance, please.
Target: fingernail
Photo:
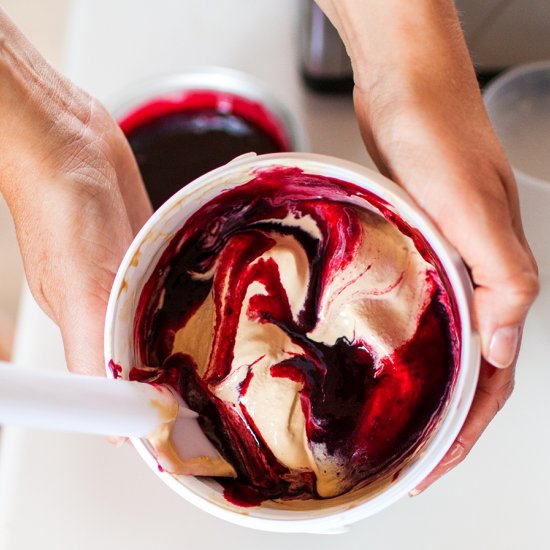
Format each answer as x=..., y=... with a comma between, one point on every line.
x=115, y=440
x=503, y=347
x=454, y=455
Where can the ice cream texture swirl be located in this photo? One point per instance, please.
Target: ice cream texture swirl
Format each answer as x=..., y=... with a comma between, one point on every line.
x=310, y=329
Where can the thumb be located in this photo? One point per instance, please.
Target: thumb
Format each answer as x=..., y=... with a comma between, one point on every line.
x=488, y=235
x=502, y=300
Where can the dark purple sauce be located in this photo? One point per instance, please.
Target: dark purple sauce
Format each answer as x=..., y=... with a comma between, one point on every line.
x=177, y=140
x=371, y=420
x=116, y=370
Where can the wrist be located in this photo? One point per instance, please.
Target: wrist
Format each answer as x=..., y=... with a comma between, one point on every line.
x=397, y=41
x=42, y=113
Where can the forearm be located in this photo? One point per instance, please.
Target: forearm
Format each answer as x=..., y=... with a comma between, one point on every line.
x=399, y=40
x=413, y=74
x=38, y=107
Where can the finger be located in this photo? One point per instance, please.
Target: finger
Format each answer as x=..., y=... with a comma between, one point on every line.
x=116, y=440
x=501, y=266
x=6, y=337
x=135, y=197
x=502, y=269
x=128, y=178
x=494, y=388
x=82, y=330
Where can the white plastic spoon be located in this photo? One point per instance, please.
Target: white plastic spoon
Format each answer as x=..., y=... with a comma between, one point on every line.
x=95, y=405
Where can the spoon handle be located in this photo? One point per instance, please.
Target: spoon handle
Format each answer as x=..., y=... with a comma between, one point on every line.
x=82, y=404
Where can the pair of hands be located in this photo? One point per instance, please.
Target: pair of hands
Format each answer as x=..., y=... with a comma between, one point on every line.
x=77, y=198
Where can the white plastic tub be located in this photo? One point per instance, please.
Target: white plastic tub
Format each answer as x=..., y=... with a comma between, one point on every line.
x=314, y=516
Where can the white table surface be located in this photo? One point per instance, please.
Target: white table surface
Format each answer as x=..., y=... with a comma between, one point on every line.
x=63, y=491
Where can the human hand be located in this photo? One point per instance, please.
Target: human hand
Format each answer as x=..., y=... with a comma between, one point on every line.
x=423, y=121
x=74, y=191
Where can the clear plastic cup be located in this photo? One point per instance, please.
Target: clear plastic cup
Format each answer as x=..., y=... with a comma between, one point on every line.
x=518, y=103
x=312, y=516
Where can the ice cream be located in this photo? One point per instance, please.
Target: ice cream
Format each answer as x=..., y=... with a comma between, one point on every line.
x=310, y=328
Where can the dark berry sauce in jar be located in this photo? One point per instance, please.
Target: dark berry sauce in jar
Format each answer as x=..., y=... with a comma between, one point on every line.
x=180, y=137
